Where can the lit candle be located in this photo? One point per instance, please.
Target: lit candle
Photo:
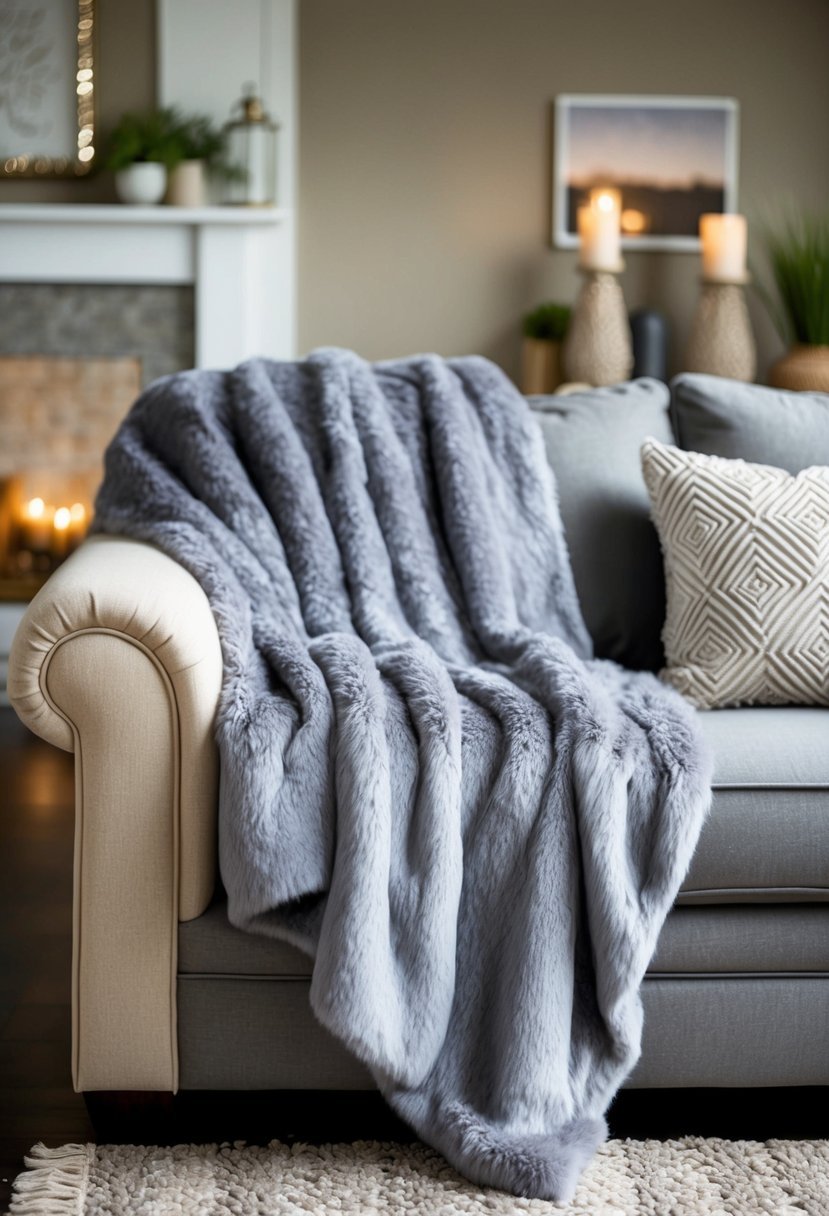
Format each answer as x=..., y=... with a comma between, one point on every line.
x=35, y=526
x=77, y=524
x=724, y=239
x=60, y=540
x=599, y=231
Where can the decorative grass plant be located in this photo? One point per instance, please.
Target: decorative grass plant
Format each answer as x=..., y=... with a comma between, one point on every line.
x=799, y=260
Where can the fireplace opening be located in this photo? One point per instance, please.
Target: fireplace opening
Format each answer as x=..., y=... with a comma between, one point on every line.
x=56, y=417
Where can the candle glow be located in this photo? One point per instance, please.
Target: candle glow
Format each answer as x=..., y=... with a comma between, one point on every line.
x=599, y=230
x=724, y=239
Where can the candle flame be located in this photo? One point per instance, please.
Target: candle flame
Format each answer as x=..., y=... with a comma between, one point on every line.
x=35, y=508
x=77, y=511
x=62, y=518
x=604, y=202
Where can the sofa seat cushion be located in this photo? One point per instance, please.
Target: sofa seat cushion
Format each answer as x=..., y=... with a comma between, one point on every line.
x=766, y=840
x=767, y=837
x=210, y=945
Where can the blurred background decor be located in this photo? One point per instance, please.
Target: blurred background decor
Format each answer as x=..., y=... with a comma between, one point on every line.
x=799, y=258
x=47, y=94
x=598, y=347
x=544, y=329
x=166, y=150
x=141, y=150
x=721, y=341
x=670, y=159
x=251, y=137
x=649, y=331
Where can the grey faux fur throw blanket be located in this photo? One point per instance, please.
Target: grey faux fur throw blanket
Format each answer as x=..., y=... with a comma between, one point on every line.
x=427, y=783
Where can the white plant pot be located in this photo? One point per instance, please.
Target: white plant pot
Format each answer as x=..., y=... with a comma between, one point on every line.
x=141, y=184
x=187, y=185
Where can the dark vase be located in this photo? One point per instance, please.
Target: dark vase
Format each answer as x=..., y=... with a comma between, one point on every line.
x=649, y=331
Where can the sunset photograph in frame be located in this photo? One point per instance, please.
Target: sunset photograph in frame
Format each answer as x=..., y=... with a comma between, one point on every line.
x=671, y=159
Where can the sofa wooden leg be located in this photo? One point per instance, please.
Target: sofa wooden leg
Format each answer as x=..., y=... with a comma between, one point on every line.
x=130, y=1116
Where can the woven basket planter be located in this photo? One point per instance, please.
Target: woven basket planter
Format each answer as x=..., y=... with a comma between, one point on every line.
x=803, y=369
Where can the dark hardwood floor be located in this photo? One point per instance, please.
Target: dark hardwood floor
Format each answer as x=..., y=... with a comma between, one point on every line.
x=36, y=1097
x=36, y=830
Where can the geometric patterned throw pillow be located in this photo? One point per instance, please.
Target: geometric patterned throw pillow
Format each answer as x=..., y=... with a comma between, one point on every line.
x=746, y=551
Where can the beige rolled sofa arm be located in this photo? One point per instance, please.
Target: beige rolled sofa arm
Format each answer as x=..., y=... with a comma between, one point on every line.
x=118, y=660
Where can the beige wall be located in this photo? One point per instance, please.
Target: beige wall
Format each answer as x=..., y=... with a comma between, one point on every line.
x=124, y=80
x=425, y=152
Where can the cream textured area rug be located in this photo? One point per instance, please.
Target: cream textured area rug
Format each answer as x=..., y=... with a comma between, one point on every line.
x=627, y=1178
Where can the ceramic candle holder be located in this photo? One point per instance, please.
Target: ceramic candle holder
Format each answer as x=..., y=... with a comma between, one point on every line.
x=598, y=348
x=722, y=341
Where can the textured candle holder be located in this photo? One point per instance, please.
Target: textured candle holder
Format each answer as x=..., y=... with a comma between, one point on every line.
x=721, y=341
x=598, y=348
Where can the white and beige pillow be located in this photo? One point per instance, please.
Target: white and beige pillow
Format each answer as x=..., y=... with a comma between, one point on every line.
x=746, y=550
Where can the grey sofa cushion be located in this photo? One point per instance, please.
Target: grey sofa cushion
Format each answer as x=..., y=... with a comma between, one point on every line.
x=593, y=440
x=767, y=837
x=739, y=939
x=766, y=840
x=731, y=939
x=261, y=1034
x=748, y=422
x=210, y=945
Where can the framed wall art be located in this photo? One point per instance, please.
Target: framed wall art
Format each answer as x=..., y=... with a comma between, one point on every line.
x=47, y=88
x=671, y=158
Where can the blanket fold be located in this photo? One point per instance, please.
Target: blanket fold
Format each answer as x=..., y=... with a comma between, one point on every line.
x=427, y=782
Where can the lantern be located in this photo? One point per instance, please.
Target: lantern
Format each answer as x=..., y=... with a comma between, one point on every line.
x=250, y=139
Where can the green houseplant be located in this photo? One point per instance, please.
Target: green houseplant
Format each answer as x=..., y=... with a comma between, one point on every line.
x=172, y=150
x=141, y=150
x=200, y=149
x=799, y=260
x=543, y=329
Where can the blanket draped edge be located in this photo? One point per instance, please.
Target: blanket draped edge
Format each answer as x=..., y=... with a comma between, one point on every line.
x=428, y=783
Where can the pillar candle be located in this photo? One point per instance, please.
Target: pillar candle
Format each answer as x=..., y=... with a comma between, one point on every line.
x=724, y=239
x=599, y=231
x=35, y=526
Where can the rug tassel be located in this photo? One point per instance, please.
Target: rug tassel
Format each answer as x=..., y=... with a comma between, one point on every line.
x=55, y=1181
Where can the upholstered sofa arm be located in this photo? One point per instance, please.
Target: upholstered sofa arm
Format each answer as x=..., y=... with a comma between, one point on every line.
x=118, y=660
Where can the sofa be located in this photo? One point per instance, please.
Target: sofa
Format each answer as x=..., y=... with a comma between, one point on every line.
x=118, y=661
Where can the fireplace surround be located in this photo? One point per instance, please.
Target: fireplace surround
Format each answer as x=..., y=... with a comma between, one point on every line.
x=95, y=302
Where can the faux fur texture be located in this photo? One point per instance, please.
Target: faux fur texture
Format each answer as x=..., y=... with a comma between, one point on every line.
x=427, y=783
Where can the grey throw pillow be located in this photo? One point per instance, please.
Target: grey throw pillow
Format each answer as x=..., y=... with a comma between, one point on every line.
x=748, y=422
x=593, y=440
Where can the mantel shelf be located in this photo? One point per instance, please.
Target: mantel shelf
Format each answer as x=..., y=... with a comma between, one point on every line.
x=121, y=213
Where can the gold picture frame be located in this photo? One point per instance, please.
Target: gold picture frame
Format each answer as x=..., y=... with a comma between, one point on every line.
x=47, y=88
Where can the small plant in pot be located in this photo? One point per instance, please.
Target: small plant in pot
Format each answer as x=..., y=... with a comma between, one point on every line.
x=142, y=148
x=200, y=149
x=544, y=329
x=799, y=259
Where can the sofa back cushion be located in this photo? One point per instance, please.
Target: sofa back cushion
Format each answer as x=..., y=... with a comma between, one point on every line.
x=748, y=422
x=593, y=440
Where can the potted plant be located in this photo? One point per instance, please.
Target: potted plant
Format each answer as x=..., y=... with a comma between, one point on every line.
x=142, y=148
x=200, y=148
x=544, y=329
x=799, y=259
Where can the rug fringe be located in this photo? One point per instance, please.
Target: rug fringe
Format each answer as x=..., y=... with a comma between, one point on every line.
x=55, y=1181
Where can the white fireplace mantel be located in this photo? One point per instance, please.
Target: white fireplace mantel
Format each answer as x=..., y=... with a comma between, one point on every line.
x=238, y=260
